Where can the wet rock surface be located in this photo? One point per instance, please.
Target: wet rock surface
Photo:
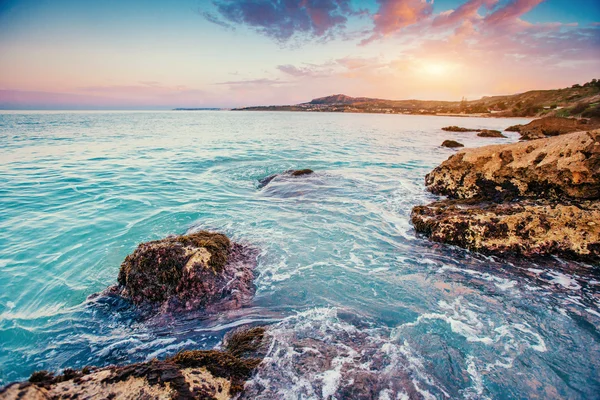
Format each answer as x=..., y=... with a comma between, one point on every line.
x=452, y=144
x=529, y=199
x=196, y=374
x=200, y=271
x=290, y=173
x=526, y=228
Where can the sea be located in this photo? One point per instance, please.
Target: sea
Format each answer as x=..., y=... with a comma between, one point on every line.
x=358, y=305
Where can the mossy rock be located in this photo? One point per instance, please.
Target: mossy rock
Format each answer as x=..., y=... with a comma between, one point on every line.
x=158, y=270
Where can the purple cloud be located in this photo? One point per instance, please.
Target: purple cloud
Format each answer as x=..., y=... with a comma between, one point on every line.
x=283, y=19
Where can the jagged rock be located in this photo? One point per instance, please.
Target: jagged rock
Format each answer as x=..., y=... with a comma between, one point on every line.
x=529, y=198
x=199, y=271
x=455, y=128
x=567, y=165
x=292, y=172
x=553, y=126
x=452, y=144
x=490, y=133
x=525, y=228
x=196, y=374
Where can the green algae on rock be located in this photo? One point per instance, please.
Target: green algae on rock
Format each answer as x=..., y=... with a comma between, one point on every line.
x=526, y=228
x=191, y=374
x=188, y=272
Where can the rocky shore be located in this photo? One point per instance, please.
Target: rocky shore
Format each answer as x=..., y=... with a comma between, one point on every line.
x=202, y=272
x=197, y=374
x=534, y=198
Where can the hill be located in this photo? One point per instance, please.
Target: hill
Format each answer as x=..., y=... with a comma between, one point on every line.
x=577, y=100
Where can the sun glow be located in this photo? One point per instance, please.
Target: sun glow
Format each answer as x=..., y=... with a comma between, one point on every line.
x=436, y=68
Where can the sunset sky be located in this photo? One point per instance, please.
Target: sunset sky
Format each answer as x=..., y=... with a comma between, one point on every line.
x=226, y=53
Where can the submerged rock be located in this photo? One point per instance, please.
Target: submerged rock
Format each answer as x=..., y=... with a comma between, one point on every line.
x=452, y=144
x=490, y=133
x=196, y=374
x=202, y=270
x=568, y=165
x=528, y=198
x=292, y=172
x=552, y=126
x=527, y=228
x=455, y=128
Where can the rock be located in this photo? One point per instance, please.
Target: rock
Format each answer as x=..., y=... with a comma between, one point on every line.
x=196, y=374
x=529, y=198
x=199, y=271
x=452, y=144
x=514, y=128
x=567, y=165
x=455, y=128
x=490, y=133
x=554, y=126
x=292, y=172
x=526, y=228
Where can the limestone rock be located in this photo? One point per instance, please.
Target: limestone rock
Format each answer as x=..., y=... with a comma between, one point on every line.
x=525, y=228
x=562, y=166
x=553, y=126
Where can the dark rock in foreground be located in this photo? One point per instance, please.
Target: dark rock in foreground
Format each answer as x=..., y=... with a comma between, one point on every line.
x=530, y=198
x=490, y=133
x=552, y=126
x=292, y=173
x=526, y=228
x=567, y=165
x=199, y=271
x=452, y=144
x=196, y=374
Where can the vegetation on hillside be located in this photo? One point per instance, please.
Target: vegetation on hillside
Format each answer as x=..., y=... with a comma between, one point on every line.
x=580, y=100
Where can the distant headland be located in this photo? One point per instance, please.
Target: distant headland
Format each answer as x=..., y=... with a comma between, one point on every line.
x=197, y=109
x=577, y=100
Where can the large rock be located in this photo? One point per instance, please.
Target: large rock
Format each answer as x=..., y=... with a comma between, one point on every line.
x=199, y=271
x=567, y=165
x=526, y=228
x=552, y=126
x=530, y=199
x=196, y=374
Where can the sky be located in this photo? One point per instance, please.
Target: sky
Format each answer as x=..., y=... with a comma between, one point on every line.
x=231, y=53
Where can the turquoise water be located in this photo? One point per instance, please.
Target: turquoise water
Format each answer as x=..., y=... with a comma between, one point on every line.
x=340, y=263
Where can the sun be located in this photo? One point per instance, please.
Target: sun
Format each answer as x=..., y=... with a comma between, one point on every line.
x=435, y=69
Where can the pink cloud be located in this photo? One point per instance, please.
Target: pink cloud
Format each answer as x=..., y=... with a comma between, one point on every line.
x=464, y=12
x=511, y=11
x=393, y=15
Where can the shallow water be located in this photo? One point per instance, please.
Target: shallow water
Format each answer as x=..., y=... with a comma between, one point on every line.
x=356, y=299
